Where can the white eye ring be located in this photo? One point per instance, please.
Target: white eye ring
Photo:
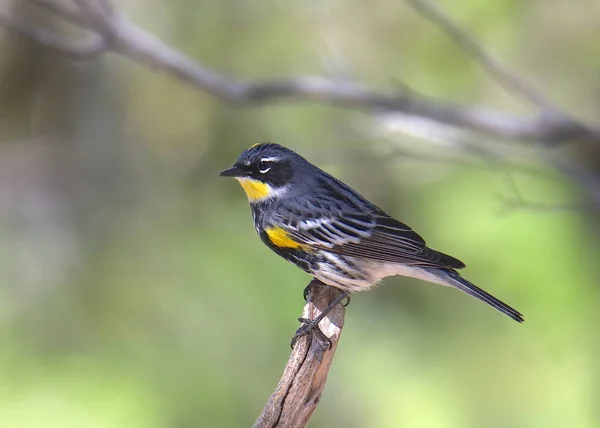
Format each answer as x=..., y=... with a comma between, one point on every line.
x=262, y=166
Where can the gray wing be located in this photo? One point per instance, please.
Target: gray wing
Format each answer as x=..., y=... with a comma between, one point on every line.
x=374, y=235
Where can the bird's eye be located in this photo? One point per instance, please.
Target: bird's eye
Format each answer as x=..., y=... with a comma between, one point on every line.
x=264, y=166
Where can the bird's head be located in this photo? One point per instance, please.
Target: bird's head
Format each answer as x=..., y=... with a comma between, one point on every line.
x=265, y=170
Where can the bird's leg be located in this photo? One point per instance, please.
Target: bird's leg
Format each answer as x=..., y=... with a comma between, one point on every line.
x=309, y=325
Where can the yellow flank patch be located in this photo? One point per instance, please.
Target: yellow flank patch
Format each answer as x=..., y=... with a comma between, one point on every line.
x=280, y=238
x=255, y=190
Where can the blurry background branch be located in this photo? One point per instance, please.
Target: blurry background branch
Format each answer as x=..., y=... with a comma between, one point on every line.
x=112, y=31
x=80, y=49
x=508, y=80
x=515, y=200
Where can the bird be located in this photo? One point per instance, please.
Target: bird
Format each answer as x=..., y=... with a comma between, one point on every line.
x=330, y=231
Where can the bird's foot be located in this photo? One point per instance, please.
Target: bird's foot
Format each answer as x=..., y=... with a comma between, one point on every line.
x=308, y=290
x=307, y=327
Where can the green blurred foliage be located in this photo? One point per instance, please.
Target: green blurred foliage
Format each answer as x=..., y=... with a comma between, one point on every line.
x=172, y=313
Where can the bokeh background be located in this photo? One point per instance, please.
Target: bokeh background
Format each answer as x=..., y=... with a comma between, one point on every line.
x=134, y=291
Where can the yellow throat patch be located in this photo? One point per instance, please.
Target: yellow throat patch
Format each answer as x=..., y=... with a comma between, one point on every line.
x=280, y=238
x=255, y=190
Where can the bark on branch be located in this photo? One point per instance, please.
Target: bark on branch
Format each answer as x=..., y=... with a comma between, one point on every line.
x=299, y=390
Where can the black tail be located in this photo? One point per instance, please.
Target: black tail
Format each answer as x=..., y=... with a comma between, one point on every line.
x=454, y=279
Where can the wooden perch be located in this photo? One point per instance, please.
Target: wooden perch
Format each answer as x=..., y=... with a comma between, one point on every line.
x=299, y=390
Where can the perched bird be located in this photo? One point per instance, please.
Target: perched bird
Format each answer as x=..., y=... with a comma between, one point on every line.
x=330, y=231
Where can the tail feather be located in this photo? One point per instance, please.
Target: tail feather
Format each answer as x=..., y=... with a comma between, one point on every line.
x=454, y=279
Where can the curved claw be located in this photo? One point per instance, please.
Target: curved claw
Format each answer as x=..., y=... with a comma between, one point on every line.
x=306, y=291
x=347, y=302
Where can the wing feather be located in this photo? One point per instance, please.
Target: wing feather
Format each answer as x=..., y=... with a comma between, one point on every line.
x=374, y=236
x=341, y=221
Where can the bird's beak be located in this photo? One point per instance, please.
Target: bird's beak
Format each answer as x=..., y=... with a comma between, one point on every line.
x=232, y=172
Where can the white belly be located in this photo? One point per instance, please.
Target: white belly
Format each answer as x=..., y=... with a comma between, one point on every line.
x=333, y=272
